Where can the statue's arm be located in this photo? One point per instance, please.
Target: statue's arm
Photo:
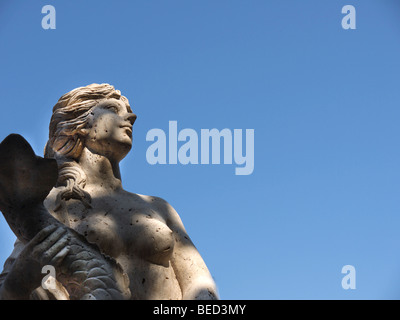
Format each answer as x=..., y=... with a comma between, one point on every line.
x=190, y=269
x=22, y=270
x=7, y=291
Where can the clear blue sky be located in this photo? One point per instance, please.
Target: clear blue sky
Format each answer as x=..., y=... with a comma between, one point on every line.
x=323, y=101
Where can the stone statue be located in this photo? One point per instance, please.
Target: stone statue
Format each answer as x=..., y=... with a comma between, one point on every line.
x=69, y=211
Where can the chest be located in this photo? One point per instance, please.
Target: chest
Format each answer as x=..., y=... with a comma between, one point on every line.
x=132, y=230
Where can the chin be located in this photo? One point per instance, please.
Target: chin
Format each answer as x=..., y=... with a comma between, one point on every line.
x=124, y=148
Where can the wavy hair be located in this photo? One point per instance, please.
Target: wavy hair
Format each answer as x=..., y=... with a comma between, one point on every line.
x=70, y=116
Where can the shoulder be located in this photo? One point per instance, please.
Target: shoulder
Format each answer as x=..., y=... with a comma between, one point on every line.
x=50, y=201
x=163, y=208
x=149, y=200
x=53, y=205
x=156, y=203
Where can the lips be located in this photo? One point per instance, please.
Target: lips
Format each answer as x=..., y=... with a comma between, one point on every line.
x=128, y=129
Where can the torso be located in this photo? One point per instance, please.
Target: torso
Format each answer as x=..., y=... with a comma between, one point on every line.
x=132, y=230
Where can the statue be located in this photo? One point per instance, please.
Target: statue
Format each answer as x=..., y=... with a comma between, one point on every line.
x=69, y=211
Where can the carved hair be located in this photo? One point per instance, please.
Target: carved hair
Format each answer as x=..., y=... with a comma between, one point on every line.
x=70, y=116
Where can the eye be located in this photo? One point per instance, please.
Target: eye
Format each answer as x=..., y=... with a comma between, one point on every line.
x=112, y=108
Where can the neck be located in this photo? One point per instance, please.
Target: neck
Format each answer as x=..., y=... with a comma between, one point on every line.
x=101, y=172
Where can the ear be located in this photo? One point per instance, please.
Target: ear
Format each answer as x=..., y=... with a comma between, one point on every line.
x=83, y=132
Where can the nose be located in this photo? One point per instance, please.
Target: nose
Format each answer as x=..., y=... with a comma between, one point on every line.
x=131, y=117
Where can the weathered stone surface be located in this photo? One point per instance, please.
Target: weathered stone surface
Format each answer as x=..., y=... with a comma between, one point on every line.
x=104, y=242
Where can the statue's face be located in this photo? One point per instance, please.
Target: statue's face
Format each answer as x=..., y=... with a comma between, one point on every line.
x=109, y=129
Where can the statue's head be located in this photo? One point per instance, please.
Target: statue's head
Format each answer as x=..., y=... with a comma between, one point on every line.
x=97, y=117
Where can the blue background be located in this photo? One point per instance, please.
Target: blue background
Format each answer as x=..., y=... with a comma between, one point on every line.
x=323, y=101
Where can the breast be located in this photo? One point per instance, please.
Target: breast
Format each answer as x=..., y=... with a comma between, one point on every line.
x=138, y=232
x=103, y=230
x=151, y=239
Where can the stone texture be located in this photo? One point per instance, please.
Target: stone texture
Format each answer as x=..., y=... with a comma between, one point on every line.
x=71, y=211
